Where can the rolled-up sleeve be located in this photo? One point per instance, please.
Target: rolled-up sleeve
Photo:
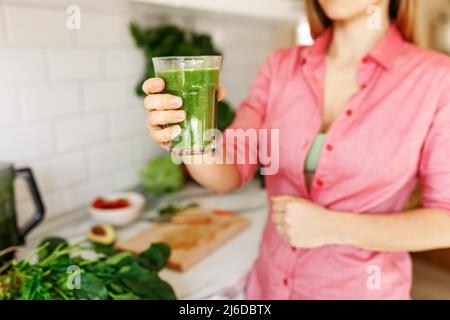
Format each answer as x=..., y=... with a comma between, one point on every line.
x=435, y=161
x=249, y=118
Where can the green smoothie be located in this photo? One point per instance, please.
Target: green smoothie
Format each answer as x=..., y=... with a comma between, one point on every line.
x=197, y=88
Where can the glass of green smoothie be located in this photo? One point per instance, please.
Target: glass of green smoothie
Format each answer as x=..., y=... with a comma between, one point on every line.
x=196, y=80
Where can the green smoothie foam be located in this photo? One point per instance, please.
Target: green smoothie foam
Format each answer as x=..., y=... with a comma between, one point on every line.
x=197, y=88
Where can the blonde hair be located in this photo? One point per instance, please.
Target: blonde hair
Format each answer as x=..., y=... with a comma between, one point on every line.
x=403, y=11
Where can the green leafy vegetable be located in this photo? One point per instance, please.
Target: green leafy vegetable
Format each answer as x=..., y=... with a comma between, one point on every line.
x=52, y=244
x=155, y=257
x=60, y=274
x=124, y=296
x=91, y=288
x=161, y=175
x=103, y=249
x=145, y=283
x=173, y=208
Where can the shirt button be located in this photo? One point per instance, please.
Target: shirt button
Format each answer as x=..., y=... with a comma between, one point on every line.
x=294, y=249
x=363, y=86
x=349, y=112
x=319, y=182
x=286, y=281
x=330, y=147
x=365, y=60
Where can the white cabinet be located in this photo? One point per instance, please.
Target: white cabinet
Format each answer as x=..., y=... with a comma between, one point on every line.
x=288, y=10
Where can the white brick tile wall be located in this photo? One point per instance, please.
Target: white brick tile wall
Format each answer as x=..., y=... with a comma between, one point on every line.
x=56, y=203
x=103, y=30
x=86, y=192
x=25, y=142
x=127, y=123
x=25, y=211
x=107, y=158
x=124, y=62
x=106, y=94
x=66, y=64
x=21, y=65
x=60, y=172
x=9, y=110
x=79, y=132
x=31, y=25
x=48, y=101
x=103, y=6
x=143, y=148
x=126, y=178
x=21, y=189
x=245, y=43
x=2, y=30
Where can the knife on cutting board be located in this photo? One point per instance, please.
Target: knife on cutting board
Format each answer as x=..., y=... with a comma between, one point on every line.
x=187, y=216
x=181, y=218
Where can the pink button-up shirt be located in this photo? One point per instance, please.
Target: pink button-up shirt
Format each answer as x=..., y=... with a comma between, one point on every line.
x=395, y=129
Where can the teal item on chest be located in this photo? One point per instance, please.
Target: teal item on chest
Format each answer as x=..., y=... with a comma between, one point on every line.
x=312, y=159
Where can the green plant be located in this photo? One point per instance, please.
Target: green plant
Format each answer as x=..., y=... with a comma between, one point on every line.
x=161, y=175
x=113, y=275
x=169, y=40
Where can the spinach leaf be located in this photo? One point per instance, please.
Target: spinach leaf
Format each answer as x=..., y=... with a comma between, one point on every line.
x=145, y=283
x=120, y=259
x=155, y=257
x=61, y=264
x=92, y=288
x=115, y=287
x=104, y=249
x=124, y=296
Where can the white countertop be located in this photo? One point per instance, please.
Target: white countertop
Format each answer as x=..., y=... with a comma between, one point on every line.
x=217, y=273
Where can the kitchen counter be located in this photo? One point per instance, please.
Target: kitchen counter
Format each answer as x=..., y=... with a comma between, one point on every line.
x=221, y=274
x=217, y=276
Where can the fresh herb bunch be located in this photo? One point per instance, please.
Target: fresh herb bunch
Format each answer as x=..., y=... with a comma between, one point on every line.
x=173, y=208
x=113, y=275
x=169, y=40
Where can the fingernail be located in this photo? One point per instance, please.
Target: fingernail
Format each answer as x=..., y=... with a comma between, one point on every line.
x=176, y=101
x=175, y=131
x=180, y=115
x=157, y=83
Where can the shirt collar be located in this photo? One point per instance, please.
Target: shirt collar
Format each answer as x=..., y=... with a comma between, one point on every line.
x=387, y=49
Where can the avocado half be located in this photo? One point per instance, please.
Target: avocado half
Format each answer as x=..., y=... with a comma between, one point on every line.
x=103, y=234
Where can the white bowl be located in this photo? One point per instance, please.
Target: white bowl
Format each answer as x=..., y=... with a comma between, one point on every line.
x=121, y=216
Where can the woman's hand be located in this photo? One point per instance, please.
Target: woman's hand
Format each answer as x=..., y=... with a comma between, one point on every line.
x=164, y=116
x=164, y=112
x=303, y=223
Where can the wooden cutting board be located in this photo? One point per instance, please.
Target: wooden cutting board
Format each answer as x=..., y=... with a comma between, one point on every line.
x=190, y=241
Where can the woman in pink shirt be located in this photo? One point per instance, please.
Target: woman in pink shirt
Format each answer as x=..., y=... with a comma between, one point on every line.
x=382, y=109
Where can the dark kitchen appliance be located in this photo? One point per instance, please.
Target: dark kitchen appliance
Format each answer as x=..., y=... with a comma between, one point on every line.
x=10, y=234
